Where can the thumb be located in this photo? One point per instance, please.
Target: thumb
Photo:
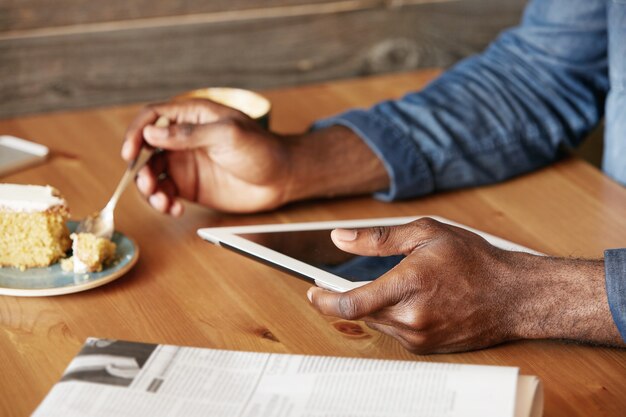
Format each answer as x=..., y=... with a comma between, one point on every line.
x=387, y=240
x=356, y=303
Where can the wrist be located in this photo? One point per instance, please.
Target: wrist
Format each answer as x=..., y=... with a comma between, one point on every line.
x=559, y=298
x=332, y=162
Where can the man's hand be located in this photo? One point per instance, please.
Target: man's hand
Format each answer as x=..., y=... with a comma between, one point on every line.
x=454, y=291
x=220, y=158
x=214, y=155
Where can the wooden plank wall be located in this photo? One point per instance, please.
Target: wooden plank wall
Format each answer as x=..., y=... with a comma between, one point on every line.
x=66, y=54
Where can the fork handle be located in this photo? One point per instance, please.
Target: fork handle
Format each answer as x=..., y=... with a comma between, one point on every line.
x=144, y=156
x=133, y=168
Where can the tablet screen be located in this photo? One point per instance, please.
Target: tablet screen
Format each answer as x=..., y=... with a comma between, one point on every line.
x=316, y=248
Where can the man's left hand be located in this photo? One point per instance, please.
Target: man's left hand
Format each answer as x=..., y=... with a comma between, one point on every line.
x=454, y=291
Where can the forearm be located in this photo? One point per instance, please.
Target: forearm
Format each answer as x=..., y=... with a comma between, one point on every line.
x=332, y=162
x=563, y=299
x=507, y=111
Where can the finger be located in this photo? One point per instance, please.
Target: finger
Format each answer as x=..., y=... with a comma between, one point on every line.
x=146, y=181
x=383, y=316
x=133, y=139
x=389, y=331
x=387, y=240
x=164, y=197
x=195, y=111
x=147, y=177
x=182, y=169
x=190, y=136
x=168, y=187
x=158, y=163
x=412, y=342
x=383, y=328
x=407, y=280
x=354, y=304
x=159, y=201
x=177, y=208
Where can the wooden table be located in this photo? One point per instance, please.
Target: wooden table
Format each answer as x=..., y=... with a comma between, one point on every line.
x=185, y=291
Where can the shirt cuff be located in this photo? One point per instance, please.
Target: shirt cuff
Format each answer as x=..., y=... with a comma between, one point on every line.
x=408, y=170
x=615, y=276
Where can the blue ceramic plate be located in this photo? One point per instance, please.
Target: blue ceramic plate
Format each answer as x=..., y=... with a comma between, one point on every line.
x=39, y=282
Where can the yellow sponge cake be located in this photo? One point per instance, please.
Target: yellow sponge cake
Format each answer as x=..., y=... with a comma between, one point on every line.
x=90, y=253
x=33, y=230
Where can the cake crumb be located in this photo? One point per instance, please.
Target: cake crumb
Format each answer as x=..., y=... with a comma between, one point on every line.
x=91, y=252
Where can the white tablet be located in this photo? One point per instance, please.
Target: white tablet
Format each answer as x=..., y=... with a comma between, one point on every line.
x=306, y=250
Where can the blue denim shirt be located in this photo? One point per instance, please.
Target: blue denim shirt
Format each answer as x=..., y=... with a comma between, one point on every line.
x=539, y=88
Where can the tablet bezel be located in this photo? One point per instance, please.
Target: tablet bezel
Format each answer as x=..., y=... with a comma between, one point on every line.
x=227, y=238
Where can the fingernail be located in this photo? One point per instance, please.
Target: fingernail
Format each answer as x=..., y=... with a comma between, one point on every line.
x=155, y=201
x=309, y=295
x=155, y=133
x=142, y=183
x=126, y=150
x=177, y=209
x=346, y=235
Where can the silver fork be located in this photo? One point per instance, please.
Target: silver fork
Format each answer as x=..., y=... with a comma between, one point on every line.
x=101, y=223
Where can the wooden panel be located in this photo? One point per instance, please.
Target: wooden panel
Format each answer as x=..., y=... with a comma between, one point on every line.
x=29, y=14
x=153, y=63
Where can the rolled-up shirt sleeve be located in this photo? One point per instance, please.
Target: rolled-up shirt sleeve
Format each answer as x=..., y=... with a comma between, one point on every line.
x=615, y=275
x=538, y=88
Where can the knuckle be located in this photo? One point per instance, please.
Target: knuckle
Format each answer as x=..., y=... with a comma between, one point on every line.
x=348, y=308
x=427, y=223
x=184, y=130
x=379, y=235
x=413, y=320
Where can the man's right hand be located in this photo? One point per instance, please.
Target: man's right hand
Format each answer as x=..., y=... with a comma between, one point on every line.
x=222, y=159
x=214, y=155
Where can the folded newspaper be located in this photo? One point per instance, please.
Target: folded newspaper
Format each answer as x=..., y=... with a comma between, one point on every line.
x=119, y=378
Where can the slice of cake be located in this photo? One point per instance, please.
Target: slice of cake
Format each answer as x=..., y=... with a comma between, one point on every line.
x=90, y=253
x=33, y=230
